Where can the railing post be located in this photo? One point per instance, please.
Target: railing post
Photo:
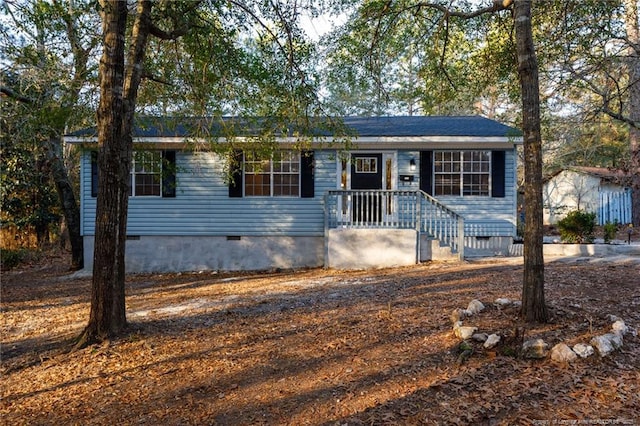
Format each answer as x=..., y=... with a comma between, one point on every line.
x=460, y=238
x=418, y=219
x=326, y=228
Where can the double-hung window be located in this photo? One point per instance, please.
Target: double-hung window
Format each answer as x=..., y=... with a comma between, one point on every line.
x=465, y=173
x=275, y=176
x=146, y=173
x=153, y=173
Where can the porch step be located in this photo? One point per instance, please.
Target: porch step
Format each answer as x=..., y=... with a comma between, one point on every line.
x=432, y=249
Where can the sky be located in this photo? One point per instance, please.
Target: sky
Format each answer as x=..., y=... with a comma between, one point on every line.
x=317, y=27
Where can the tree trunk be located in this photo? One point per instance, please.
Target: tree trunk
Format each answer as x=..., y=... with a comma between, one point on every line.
x=533, y=302
x=68, y=202
x=118, y=94
x=42, y=233
x=633, y=36
x=107, y=316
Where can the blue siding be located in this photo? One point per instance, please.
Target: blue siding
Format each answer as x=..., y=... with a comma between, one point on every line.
x=488, y=216
x=202, y=205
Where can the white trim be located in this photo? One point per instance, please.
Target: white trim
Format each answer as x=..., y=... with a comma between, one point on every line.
x=374, y=162
x=372, y=142
x=393, y=154
x=83, y=200
x=386, y=154
x=272, y=173
x=403, y=140
x=394, y=169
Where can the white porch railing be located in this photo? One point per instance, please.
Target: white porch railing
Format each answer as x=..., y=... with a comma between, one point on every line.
x=442, y=223
x=395, y=209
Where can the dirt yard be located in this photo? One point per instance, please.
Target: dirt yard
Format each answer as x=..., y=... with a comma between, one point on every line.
x=318, y=347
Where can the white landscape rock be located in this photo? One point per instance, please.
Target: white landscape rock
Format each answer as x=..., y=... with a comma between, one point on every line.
x=619, y=327
x=536, y=349
x=475, y=306
x=607, y=343
x=463, y=332
x=563, y=353
x=457, y=315
x=582, y=350
x=503, y=301
x=492, y=340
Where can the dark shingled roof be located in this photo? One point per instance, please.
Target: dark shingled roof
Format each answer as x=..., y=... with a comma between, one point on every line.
x=429, y=126
x=401, y=126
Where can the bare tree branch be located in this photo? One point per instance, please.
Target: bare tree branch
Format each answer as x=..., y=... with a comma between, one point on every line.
x=620, y=117
x=148, y=75
x=15, y=95
x=497, y=6
x=177, y=32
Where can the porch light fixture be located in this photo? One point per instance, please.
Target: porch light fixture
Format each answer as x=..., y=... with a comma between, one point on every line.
x=412, y=165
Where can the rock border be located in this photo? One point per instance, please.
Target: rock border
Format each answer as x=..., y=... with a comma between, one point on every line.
x=605, y=344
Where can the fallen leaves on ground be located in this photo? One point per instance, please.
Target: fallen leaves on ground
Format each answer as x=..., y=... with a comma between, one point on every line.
x=317, y=347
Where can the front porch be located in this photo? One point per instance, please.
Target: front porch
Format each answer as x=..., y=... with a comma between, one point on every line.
x=384, y=228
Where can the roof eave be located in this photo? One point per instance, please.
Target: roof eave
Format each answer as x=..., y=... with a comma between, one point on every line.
x=406, y=142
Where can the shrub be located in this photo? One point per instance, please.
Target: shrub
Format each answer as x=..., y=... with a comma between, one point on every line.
x=577, y=227
x=12, y=258
x=610, y=230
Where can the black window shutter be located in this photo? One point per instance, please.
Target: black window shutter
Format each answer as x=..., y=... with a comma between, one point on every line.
x=426, y=171
x=235, y=183
x=498, y=174
x=168, y=174
x=307, y=185
x=94, y=173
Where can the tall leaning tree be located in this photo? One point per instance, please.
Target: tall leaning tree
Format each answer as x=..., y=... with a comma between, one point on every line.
x=533, y=302
x=48, y=48
x=232, y=57
x=632, y=26
x=118, y=91
x=382, y=19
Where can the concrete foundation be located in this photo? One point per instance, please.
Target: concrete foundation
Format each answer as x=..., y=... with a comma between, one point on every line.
x=585, y=250
x=175, y=253
x=371, y=248
x=345, y=249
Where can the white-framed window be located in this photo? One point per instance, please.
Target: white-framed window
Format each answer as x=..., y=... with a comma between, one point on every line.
x=277, y=176
x=146, y=174
x=465, y=173
x=366, y=165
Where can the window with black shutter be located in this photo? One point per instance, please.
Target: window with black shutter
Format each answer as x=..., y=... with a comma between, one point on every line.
x=284, y=173
x=498, y=174
x=153, y=173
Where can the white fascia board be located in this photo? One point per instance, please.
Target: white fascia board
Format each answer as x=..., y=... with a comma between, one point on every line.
x=437, y=142
x=405, y=142
x=79, y=140
x=163, y=140
x=415, y=141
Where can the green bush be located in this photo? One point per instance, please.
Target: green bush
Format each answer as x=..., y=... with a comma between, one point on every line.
x=610, y=230
x=12, y=258
x=577, y=227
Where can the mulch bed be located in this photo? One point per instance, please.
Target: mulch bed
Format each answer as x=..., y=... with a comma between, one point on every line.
x=317, y=347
